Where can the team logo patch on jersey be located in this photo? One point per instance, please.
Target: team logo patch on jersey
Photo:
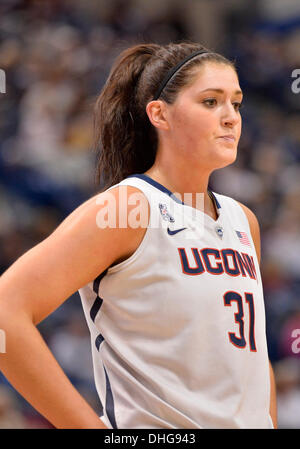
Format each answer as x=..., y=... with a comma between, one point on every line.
x=219, y=230
x=165, y=214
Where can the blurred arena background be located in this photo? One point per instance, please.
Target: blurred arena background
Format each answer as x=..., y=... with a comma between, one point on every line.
x=56, y=55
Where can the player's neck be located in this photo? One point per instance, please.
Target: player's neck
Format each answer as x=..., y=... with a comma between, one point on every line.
x=191, y=188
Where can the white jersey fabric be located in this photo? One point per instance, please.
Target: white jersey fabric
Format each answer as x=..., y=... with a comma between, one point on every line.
x=178, y=329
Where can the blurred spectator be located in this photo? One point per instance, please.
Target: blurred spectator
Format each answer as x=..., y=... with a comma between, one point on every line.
x=287, y=375
x=10, y=415
x=69, y=345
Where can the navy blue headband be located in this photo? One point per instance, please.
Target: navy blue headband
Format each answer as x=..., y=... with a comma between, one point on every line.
x=174, y=70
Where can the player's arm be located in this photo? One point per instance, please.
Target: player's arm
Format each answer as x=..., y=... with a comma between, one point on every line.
x=39, y=282
x=255, y=232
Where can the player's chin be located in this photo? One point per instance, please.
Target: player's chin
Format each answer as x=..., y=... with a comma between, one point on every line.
x=226, y=156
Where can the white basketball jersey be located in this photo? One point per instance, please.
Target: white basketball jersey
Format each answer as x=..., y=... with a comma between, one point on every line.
x=178, y=329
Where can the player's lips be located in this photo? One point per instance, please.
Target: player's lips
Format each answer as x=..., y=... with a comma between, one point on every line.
x=228, y=137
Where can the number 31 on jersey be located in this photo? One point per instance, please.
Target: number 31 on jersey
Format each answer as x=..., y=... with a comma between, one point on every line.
x=240, y=341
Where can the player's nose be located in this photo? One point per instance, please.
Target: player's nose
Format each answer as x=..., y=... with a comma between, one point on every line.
x=230, y=117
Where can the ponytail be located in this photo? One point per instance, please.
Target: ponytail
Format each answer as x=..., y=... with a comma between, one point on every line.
x=125, y=141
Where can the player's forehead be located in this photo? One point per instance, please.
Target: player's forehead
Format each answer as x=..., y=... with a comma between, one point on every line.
x=215, y=77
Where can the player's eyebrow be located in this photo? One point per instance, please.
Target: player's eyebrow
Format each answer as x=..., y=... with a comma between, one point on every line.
x=221, y=91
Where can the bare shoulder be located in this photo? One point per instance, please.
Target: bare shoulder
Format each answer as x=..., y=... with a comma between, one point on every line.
x=110, y=209
x=78, y=250
x=254, y=228
x=253, y=222
x=107, y=219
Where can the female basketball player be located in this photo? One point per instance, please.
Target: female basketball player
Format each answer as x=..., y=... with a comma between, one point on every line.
x=173, y=298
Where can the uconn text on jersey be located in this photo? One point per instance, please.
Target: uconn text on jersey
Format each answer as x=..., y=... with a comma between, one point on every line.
x=211, y=260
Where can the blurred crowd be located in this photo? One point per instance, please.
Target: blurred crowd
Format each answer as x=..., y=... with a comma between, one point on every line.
x=56, y=55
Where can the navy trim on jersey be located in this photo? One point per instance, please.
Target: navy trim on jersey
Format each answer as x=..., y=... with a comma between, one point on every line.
x=97, y=281
x=214, y=198
x=93, y=312
x=109, y=403
x=96, y=307
x=98, y=341
x=165, y=190
x=98, y=301
x=109, y=399
x=157, y=185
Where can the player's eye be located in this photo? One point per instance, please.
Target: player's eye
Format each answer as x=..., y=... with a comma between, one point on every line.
x=210, y=102
x=237, y=105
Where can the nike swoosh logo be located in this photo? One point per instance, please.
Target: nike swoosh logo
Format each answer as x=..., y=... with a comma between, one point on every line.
x=170, y=232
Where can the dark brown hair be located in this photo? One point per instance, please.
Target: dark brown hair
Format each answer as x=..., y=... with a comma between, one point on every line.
x=125, y=140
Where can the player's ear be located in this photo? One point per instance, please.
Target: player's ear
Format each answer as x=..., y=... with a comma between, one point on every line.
x=156, y=111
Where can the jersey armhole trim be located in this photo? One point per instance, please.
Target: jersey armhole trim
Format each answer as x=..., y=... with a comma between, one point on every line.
x=141, y=246
x=247, y=221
